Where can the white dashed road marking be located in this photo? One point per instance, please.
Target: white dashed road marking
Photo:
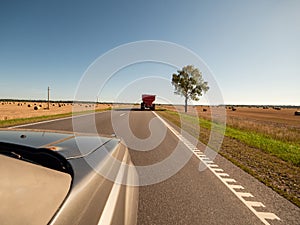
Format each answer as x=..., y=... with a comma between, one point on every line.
x=224, y=177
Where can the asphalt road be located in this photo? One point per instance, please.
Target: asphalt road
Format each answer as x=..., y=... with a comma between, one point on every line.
x=178, y=193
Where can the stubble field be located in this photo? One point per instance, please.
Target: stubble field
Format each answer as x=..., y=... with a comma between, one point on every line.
x=17, y=112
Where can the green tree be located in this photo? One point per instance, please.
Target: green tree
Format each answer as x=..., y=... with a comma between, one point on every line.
x=189, y=83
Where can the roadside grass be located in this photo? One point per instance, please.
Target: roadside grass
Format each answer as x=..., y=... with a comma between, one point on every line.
x=289, y=152
x=274, y=163
x=276, y=129
x=21, y=121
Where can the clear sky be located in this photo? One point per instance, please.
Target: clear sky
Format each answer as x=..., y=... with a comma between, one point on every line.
x=252, y=47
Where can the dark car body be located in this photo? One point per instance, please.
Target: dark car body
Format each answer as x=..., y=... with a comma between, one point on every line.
x=65, y=178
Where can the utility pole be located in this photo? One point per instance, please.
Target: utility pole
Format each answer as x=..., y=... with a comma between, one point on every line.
x=48, y=97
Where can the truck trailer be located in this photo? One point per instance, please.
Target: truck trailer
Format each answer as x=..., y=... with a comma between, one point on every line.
x=148, y=102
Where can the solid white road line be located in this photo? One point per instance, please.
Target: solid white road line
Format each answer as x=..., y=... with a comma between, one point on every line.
x=111, y=203
x=226, y=180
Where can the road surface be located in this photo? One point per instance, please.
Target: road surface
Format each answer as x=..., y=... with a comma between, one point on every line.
x=189, y=196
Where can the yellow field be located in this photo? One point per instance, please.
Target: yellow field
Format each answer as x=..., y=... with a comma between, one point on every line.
x=13, y=110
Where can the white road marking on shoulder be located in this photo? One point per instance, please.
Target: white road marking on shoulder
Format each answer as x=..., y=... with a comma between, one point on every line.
x=224, y=177
x=213, y=165
x=54, y=120
x=123, y=114
x=223, y=174
x=111, y=203
x=235, y=186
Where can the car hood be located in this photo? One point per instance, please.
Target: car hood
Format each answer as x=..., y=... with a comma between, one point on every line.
x=70, y=145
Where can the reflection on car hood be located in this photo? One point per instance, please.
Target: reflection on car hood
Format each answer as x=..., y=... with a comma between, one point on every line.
x=69, y=145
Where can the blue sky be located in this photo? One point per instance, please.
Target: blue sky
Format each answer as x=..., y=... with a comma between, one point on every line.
x=252, y=47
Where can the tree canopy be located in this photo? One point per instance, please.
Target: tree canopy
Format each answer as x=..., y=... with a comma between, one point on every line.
x=189, y=83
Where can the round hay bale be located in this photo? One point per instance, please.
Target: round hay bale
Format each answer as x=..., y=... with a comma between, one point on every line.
x=204, y=110
x=233, y=109
x=36, y=108
x=297, y=113
x=29, y=105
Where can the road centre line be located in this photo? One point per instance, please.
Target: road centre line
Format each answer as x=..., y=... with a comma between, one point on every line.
x=225, y=179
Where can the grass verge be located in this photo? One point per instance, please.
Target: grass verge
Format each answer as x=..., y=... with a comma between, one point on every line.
x=21, y=121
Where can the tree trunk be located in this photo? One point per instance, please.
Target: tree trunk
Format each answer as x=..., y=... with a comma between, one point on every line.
x=185, y=104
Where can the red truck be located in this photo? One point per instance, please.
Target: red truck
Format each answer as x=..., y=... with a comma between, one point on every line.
x=148, y=102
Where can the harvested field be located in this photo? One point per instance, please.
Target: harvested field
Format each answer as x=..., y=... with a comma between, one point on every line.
x=285, y=116
x=15, y=110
